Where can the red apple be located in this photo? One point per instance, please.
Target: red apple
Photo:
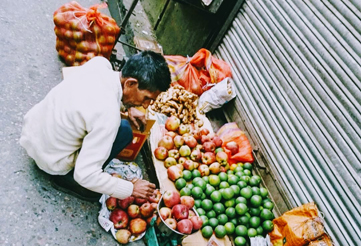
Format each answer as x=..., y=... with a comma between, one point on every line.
x=196, y=155
x=184, y=150
x=219, y=149
x=209, y=146
x=180, y=211
x=203, y=169
x=165, y=213
x=211, y=135
x=199, y=147
x=171, y=198
x=191, y=214
x=174, y=173
x=124, y=203
x=187, y=201
x=161, y=153
x=185, y=226
x=172, y=223
x=171, y=134
x=197, y=135
x=137, y=226
x=119, y=218
x=196, y=164
x=146, y=210
x=173, y=153
x=205, y=138
x=197, y=222
x=140, y=201
x=149, y=219
x=154, y=206
x=233, y=147
x=166, y=142
x=156, y=197
x=169, y=161
x=178, y=141
x=208, y=158
x=215, y=168
x=123, y=236
x=182, y=159
x=111, y=203
x=172, y=123
x=204, y=131
x=133, y=211
x=222, y=158
x=183, y=129
x=188, y=165
x=180, y=166
x=190, y=141
x=217, y=141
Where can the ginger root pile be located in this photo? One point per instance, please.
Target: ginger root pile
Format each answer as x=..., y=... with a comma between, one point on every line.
x=178, y=102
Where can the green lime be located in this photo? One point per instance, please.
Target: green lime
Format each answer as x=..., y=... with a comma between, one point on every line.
x=205, y=220
x=247, y=173
x=197, y=192
x=204, y=196
x=252, y=232
x=214, y=180
x=254, y=211
x=187, y=175
x=240, y=241
x=211, y=214
x=230, y=228
x=196, y=173
x=241, y=208
x=220, y=231
x=255, y=221
x=207, y=231
x=266, y=214
x=222, y=219
x=268, y=205
x=223, y=176
x=206, y=178
x=230, y=203
x=185, y=191
x=259, y=230
x=223, y=184
x=248, y=166
x=246, y=192
x=242, y=184
x=207, y=204
x=209, y=190
x=238, y=169
x=239, y=174
x=236, y=189
x=256, y=201
x=201, y=211
x=267, y=225
x=213, y=222
x=233, y=179
x=190, y=186
x=230, y=172
x=200, y=183
x=231, y=212
x=245, y=178
x=234, y=221
x=180, y=183
x=227, y=194
x=243, y=220
x=216, y=196
x=263, y=192
x=255, y=190
x=241, y=230
x=241, y=199
x=219, y=208
x=197, y=203
x=254, y=181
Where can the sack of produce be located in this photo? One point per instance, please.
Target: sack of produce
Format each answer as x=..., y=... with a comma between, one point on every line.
x=83, y=33
x=198, y=73
x=298, y=226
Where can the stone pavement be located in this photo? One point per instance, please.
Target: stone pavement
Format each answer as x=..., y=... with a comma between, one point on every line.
x=32, y=212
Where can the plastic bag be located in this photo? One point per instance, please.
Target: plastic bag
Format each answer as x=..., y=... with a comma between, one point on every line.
x=197, y=74
x=218, y=95
x=83, y=33
x=322, y=241
x=230, y=132
x=298, y=226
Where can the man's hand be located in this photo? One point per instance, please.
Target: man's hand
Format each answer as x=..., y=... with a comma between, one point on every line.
x=137, y=117
x=143, y=189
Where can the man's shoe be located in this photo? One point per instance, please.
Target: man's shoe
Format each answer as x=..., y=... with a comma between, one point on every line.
x=67, y=184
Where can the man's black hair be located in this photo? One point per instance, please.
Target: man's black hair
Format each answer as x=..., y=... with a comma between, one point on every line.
x=150, y=69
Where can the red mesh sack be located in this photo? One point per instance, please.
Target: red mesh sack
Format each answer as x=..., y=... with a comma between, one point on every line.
x=198, y=73
x=83, y=33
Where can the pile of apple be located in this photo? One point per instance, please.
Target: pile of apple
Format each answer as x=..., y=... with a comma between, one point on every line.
x=183, y=148
x=131, y=215
x=177, y=213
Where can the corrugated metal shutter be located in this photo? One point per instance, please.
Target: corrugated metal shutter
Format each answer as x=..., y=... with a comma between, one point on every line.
x=297, y=69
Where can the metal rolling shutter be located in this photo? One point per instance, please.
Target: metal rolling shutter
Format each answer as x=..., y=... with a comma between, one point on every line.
x=297, y=69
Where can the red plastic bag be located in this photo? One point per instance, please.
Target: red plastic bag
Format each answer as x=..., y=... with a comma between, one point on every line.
x=83, y=33
x=197, y=74
x=230, y=132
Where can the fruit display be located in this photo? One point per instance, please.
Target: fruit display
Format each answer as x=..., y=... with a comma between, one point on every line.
x=177, y=213
x=228, y=198
x=131, y=216
x=83, y=33
x=178, y=102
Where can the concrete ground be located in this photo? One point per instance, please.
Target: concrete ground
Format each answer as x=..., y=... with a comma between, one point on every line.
x=32, y=212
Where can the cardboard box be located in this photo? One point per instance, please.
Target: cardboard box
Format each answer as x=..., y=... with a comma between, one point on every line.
x=130, y=152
